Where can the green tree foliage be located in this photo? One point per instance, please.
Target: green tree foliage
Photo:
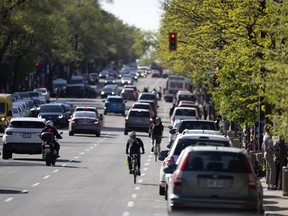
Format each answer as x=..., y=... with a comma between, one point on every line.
x=246, y=40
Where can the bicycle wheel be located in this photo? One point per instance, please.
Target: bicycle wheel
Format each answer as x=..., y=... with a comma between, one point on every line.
x=134, y=169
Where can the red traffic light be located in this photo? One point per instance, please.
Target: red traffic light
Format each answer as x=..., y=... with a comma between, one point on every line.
x=172, y=41
x=37, y=64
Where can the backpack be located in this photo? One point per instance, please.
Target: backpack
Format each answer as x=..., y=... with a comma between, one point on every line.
x=134, y=146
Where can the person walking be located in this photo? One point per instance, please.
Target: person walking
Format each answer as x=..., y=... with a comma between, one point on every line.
x=280, y=161
x=269, y=158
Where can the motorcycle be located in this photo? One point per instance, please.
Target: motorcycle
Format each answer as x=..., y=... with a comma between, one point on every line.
x=49, y=154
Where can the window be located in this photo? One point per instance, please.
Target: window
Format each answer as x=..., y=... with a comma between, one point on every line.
x=27, y=124
x=139, y=114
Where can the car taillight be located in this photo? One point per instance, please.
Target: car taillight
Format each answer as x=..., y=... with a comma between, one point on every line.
x=95, y=122
x=177, y=178
x=126, y=119
x=173, y=118
x=170, y=160
x=73, y=121
x=252, y=184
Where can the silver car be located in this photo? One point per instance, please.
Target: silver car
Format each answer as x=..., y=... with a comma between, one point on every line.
x=214, y=177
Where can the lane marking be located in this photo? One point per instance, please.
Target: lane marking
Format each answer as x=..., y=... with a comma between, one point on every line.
x=36, y=184
x=126, y=214
x=134, y=196
x=137, y=188
x=130, y=204
x=140, y=180
x=9, y=199
x=146, y=164
x=145, y=169
x=46, y=177
x=55, y=171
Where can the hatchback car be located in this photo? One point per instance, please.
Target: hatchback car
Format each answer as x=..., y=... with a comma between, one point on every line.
x=181, y=142
x=214, y=177
x=85, y=122
x=138, y=120
x=114, y=104
x=22, y=136
x=129, y=94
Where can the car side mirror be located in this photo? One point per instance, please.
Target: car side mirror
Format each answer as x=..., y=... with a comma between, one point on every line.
x=170, y=127
x=170, y=169
x=163, y=155
x=172, y=131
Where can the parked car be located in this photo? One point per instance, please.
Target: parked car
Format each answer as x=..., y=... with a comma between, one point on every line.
x=114, y=104
x=22, y=136
x=138, y=120
x=55, y=112
x=129, y=94
x=85, y=122
x=214, y=177
x=184, y=113
x=44, y=93
x=184, y=96
x=181, y=142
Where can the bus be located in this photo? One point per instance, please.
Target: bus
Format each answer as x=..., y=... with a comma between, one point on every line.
x=175, y=83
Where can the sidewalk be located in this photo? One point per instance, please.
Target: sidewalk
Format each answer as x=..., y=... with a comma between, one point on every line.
x=274, y=204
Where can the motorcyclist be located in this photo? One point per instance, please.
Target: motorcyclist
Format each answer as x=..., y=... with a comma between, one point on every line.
x=49, y=127
x=133, y=146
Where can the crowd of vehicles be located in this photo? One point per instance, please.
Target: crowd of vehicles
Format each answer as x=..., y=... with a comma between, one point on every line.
x=200, y=166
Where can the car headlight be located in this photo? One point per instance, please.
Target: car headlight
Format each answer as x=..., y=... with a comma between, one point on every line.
x=113, y=93
x=102, y=92
x=39, y=116
x=60, y=116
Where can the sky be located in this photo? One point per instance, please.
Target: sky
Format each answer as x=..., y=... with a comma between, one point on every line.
x=143, y=14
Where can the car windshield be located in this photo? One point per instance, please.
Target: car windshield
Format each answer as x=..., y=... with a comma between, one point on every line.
x=2, y=107
x=216, y=161
x=27, y=124
x=185, y=112
x=148, y=97
x=85, y=114
x=139, y=114
x=51, y=109
x=115, y=100
x=197, y=125
x=183, y=143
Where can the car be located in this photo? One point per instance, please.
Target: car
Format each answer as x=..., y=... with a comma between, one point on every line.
x=152, y=103
x=155, y=74
x=85, y=122
x=44, y=93
x=93, y=78
x=165, y=74
x=114, y=104
x=109, y=80
x=149, y=96
x=131, y=86
x=182, y=95
x=214, y=177
x=90, y=108
x=76, y=90
x=56, y=112
x=129, y=94
x=148, y=106
x=77, y=79
x=103, y=74
x=126, y=79
x=109, y=90
x=184, y=113
x=22, y=136
x=189, y=104
x=181, y=142
x=138, y=120
x=196, y=124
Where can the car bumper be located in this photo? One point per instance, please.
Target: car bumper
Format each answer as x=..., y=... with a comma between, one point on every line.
x=23, y=148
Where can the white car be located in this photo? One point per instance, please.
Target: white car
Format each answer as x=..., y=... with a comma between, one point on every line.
x=22, y=136
x=44, y=93
x=184, y=113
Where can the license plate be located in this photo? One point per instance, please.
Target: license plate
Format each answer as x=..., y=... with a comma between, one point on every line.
x=26, y=135
x=215, y=183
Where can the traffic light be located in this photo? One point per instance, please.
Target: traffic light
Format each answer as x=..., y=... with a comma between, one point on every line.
x=172, y=41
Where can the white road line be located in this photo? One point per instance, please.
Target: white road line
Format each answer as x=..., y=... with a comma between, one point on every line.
x=87, y=150
x=24, y=191
x=46, y=177
x=143, y=174
x=9, y=199
x=150, y=154
x=91, y=147
x=76, y=157
x=55, y=171
x=130, y=204
x=63, y=165
x=140, y=180
x=148, y=159
x=36, y=184
x=134, y=196
x=82, y=153
x=146, y=164
x=145, y=169
x=137, y=188
x=126, y=214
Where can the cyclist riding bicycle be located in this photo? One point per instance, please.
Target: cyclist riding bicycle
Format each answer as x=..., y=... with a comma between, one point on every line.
x=133, y=146
x=156, y=131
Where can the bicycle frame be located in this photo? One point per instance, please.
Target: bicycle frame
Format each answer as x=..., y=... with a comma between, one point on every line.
x=134, y=166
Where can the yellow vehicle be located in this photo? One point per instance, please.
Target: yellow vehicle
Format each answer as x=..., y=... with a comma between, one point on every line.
x=5, y=110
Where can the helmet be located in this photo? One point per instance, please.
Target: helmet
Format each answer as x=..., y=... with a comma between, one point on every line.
x=132, y=135
x=158, y=119
x=49, y=123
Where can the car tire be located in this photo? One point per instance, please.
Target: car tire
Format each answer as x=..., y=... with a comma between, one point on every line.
x=105, y=112
x=125, y=132
x=123, y=113
x=161, y=191
x=71, y=133
x=6, y=154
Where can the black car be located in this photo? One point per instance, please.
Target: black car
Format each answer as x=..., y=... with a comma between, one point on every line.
x=55, y=112
x=76, y=91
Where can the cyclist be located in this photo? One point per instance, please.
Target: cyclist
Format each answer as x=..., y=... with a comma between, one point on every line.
x=156, y=130
x=133, y=146
x=49, y=127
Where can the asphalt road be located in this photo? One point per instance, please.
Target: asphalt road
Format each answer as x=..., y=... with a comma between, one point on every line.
x=90, y=177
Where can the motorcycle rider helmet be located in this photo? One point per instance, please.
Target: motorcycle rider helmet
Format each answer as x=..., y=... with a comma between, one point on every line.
x=49, y=123
x=132, y=135
x=158, y=119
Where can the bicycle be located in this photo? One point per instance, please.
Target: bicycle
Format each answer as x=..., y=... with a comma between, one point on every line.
x=135, y=168
x=156, y=147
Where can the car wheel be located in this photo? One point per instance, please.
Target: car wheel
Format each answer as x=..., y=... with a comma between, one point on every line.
x=98, y=134
x=6, y=154
x=123, y=113
x=71, y=133
x=105, y=112
x=161, y=190
x=125, y=132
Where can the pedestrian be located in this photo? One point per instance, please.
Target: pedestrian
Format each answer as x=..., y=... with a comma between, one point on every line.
x=280, y=161
x=268, y=149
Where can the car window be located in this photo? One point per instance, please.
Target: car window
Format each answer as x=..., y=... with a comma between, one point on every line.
x=51, y=109
x=139, y=114
x=148, y=97
x=26, y=124
x=216, y=161
x=183, y=143
x=2, y=107
x=197, y=125
x=85, y=114
x=115, y=100
x=185, y=112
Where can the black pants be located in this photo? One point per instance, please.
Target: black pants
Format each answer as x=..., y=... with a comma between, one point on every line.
x=278, y=171
x=138, y=160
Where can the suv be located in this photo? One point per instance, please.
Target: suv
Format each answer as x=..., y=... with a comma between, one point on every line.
x=114, y=104
x=138, y=120
x=181, y=142
x=184, y=113
x=22, y=136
